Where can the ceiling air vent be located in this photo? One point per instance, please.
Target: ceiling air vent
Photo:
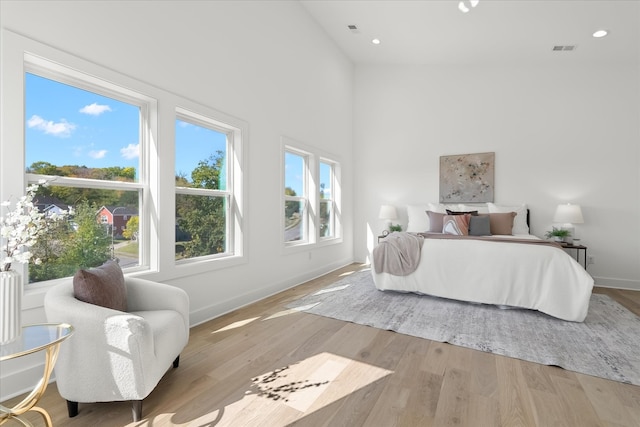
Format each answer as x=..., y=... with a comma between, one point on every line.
x=353, y=28
x=559, y=48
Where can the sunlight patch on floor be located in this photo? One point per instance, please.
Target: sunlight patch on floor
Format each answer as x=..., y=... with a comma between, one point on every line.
x=291, y=311
x=234, y=325
x=286, y=394
x=308, y=385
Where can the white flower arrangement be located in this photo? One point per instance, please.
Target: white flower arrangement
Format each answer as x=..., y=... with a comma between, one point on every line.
x=21, y=227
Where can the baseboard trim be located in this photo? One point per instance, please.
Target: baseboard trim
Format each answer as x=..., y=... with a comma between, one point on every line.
x=609, y=282
x=221, y=308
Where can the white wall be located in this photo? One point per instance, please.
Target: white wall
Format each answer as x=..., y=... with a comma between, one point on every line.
x=266, y=63
x=560, y=134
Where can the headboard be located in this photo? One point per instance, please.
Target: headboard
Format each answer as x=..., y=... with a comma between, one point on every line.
x=419, y=222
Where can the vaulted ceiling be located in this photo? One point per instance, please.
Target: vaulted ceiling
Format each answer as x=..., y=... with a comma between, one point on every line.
x=492, y=32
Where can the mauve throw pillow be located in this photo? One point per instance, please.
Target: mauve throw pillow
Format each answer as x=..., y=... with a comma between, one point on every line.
x=435, y=221
x=502, y=223
x=103, y=286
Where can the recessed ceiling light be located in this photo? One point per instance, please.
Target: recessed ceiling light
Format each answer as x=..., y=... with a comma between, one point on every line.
x=600, y=33
x=375, y=41
x=464, y=5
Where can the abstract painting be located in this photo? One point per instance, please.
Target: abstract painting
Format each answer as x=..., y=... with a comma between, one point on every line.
x=467, y=178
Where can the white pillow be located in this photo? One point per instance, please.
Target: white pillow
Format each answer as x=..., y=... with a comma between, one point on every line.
x=440, y=208
x=482, y=209
x=418, y=218
x=519, y=222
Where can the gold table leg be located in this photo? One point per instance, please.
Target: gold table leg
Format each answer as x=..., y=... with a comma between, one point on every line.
x=29, y=402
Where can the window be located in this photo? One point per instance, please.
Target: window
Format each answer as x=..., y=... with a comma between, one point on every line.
x=311, y=196
x=206, y=211
x=108, y=153
x=327, y=202
x=296, y=212
x=84, y=137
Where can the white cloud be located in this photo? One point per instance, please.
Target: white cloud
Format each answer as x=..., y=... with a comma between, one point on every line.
x=131, y=151
x=97, y=154
x=61, y=129
x=95, y=109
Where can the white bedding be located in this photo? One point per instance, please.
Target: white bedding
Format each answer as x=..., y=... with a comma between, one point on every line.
x=537, y=277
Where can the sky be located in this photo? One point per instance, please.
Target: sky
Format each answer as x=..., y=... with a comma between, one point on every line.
x=65, y=125
x=294, y=174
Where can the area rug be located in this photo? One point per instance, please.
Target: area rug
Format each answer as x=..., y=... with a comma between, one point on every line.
x=605, y=345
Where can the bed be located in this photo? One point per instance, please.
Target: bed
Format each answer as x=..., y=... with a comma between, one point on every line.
x=509, y=270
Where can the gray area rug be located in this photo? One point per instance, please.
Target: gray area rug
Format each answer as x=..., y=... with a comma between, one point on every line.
x=605, y=345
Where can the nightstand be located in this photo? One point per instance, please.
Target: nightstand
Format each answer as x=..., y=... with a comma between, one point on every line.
x=578, y=248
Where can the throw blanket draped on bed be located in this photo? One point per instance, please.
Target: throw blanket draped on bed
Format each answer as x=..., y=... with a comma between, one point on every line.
x=398, y=254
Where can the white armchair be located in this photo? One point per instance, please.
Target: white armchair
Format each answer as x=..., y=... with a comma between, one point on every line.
x=115, y=355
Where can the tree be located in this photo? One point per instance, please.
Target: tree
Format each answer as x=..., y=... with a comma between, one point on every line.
x=131, y=230
x=207, y=173
x=203, y=218
x=90, y=244
x=290, y=207
x=49, y=249
x=79, y=242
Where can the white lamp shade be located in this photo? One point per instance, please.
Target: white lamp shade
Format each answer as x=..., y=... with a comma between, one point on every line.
x=568, y=214
x=387, y=212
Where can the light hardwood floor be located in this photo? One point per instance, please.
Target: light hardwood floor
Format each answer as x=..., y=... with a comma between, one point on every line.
x=266, y=366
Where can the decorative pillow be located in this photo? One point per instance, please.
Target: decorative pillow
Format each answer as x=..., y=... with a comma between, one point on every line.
x=456, y=224
x=103, y=286
x=482, y=209
x=479, y=225
x=435, y=221
x=501, y=223
x=418, y=219
x=520, y=222
x=419, y=222
x=450, y=212
x=440, y=208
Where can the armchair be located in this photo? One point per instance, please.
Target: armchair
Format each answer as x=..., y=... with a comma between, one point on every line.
x=116, y=355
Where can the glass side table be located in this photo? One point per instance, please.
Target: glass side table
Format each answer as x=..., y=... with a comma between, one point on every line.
x=34, y=338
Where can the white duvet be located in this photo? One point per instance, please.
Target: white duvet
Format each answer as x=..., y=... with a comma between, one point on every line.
x=536, y=277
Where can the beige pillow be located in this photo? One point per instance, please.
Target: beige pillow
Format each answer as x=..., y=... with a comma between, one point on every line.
x=501, y=223
x=103, y=286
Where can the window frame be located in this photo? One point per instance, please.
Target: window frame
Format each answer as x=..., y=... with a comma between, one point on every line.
x=232, y=244
x=331, y=200
x=312, y=179
x=160, y=206
x=305, y=198
x=66, y=75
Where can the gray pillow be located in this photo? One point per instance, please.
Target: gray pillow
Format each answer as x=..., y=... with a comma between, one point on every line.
x=103, y=286
x=479, y=225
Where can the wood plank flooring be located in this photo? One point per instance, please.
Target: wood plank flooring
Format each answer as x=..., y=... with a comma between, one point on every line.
x=264, y=365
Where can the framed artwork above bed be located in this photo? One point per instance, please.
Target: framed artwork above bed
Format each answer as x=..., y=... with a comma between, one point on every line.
x=467, y=178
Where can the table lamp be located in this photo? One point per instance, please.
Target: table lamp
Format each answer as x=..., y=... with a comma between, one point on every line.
x=388, y=213
x=568, y=214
